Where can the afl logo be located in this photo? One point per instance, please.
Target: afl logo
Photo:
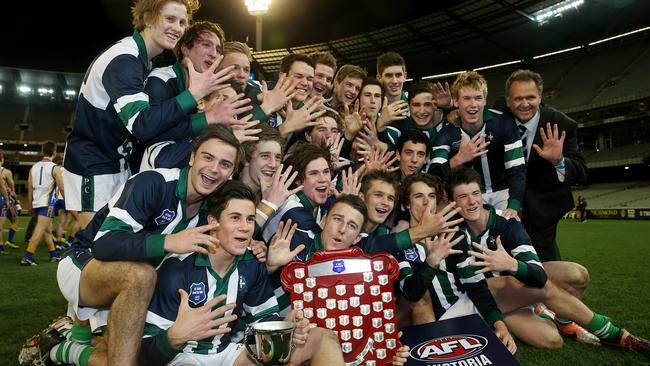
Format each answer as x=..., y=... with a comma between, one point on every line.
x=455, y=347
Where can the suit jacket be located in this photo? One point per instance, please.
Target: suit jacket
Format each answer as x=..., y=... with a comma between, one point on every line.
x=547, y=199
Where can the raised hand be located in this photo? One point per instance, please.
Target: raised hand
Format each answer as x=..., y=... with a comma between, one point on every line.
x=225, y=110
x=361, y=148
x=278, y=191
x=194, y=324
x=380, y=159
x=552, y=142
x=433, y=223
x=493, y=260
x=351, y=183
x=204, y=83
x=191, y=239
x=246, y=132
x=279, y=252
x=258, y=248
x=298, y=119
x=469, y=150
x=441, y=247
x=394, y=111
x=274, y=100
x=352, y=119
x=334, y=144
x=370, y=135
x=441, y=95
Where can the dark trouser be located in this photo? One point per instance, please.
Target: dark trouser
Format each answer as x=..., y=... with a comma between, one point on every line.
x=543, y=239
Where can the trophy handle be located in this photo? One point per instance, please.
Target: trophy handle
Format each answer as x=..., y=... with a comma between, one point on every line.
x=251, y=353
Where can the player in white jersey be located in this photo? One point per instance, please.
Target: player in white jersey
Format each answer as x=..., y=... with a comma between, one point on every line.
x=43, y=179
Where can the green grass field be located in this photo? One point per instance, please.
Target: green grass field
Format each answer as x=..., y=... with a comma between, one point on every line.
x=615, y=252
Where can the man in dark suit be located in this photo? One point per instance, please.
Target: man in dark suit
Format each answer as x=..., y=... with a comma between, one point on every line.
x=553, y=160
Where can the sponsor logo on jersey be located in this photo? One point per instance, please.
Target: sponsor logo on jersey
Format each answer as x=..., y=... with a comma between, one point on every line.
x=165, y=217
x=197, y=293
x=450, y=348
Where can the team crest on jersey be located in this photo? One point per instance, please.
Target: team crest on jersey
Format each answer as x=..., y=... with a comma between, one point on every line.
x=455, y=145
x=273, y=120
x=165, y=217
x=197, y=293
x=411, y=254
x=242, y=283
x=338, y=266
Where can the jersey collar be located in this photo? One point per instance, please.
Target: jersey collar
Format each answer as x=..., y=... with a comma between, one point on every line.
x=142, y=49
x=179, y=70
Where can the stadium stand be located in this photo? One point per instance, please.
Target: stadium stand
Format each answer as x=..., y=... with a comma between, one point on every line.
x=622, y=155
x=617, y=195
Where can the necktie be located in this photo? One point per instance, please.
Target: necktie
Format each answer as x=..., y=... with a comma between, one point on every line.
x=524, y=142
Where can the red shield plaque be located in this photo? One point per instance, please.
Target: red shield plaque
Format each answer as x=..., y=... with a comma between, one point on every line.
x=350, y=293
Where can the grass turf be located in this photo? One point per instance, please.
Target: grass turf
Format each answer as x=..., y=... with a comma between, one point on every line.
x=615, y=252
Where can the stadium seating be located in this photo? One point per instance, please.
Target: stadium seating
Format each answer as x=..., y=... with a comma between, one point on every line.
x=622, y=155
x=616, y=195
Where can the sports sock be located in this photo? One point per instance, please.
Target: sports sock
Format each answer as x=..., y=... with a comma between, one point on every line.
x=562, y=321
x=543, y=312
x=29, y=255
x=602, y=327
x=80, y=333
x=52, y=250
x=12, y=233
x=71, y=352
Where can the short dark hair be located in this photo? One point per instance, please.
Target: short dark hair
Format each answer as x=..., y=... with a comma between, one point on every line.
x=389, y=59
x=382, y=176
x=415, y=136
x=419, y=87
x=268, y=134
x=428, y=179
x=193, y=33
x=48, y=148
x=324, y=58
x=525, y=75
x=223, y=133
x=356, y=203
x=232, y=189
x=331, y=114
x=372, y=81
x=460, y=175
x=288, y=60
x=303, y=154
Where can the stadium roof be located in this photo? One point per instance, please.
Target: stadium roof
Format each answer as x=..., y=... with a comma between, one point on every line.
x=453, y=36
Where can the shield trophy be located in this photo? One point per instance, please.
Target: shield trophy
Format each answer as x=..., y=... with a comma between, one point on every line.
x=273, y=342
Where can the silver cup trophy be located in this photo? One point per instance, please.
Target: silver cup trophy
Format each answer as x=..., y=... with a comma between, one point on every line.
x=273, y=342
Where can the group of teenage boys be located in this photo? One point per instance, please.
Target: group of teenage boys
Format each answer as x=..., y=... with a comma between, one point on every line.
x=237, y=178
